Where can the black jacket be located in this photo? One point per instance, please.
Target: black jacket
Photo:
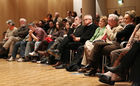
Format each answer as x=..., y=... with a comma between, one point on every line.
x=125, y=34
x=88, y=32
x=22, y=32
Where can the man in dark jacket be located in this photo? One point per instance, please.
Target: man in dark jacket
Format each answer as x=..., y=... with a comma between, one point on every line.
x=88, y=31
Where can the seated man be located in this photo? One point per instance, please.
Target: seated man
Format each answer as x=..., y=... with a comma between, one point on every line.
x=76, y=41
x=36, y=35
x=98, y=36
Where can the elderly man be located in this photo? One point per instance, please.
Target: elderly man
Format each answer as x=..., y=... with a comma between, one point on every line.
x=88, y=31
x=112, y=30
x=21, y=33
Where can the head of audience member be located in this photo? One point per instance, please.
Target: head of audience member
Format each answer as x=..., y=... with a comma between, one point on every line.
x=68, y=13
x=49, y=17
x=113, y=20
x=121, y=19
x=56, y=15
x=81, y=10
x=137, y=20
x=116, y=13
x=32, y=26
x=57, y=25
x=22, y=21
x=74, y=14
x=68, y=24
x=10, y=24
x=51, y=24
x=77, y=22
x=129, y=17
x=96, y=19
x=103, y=21
x=87, y=20
x=41, y=23
x=64, y=22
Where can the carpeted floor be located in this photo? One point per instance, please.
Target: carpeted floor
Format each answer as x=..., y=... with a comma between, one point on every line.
x=32, y=74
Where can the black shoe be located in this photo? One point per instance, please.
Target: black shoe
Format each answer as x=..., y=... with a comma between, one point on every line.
x=62, y=66
x=114, y=69
x=91, y=73
x=88, y=66
x=99, y=74
x=106, y=79
x=43, y=60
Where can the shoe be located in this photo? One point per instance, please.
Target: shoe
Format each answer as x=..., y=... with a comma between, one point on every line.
x=42, y=53
x=82, y=70
x=114, y=69
x=43, y=60
x=62, y=66
x=11, y=59
x=88, y=66
x=91, y=73
x=20, y=60
x=38, y=62
x=57, y=64
x=99, y=74
x=54, y=53
x=107, y=80
x=33, y=53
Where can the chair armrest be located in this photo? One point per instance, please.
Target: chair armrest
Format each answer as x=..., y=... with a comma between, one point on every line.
x=123, y=44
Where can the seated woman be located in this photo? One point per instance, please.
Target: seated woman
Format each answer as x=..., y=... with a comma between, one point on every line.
x=98, y=36
x=131, y=51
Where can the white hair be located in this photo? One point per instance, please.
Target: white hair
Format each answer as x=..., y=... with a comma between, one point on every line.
x=88, y=16
x=23, y=19
x=115, y=17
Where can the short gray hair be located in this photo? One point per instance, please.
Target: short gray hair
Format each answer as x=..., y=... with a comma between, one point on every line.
x=114, y=16
x=22, y=19
x=89, y=16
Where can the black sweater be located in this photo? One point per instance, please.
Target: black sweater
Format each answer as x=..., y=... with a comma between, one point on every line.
x=125, y=34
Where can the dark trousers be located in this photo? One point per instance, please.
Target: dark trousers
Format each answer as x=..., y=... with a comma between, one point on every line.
x=65, y=47
x=100, y=49
x=132, y=59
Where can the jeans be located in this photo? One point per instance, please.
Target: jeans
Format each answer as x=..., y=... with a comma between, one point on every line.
x=21, y=45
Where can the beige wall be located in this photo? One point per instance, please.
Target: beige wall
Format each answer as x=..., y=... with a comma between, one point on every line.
x=61, y=6
x=101, y=7
x=128, y=5
x=30, y=9
x=89, y=7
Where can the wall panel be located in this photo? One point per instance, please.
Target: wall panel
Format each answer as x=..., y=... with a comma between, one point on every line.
x=60, y=6
x=30, y=9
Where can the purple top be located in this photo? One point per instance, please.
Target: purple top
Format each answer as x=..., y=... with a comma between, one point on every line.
x=40, y=33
